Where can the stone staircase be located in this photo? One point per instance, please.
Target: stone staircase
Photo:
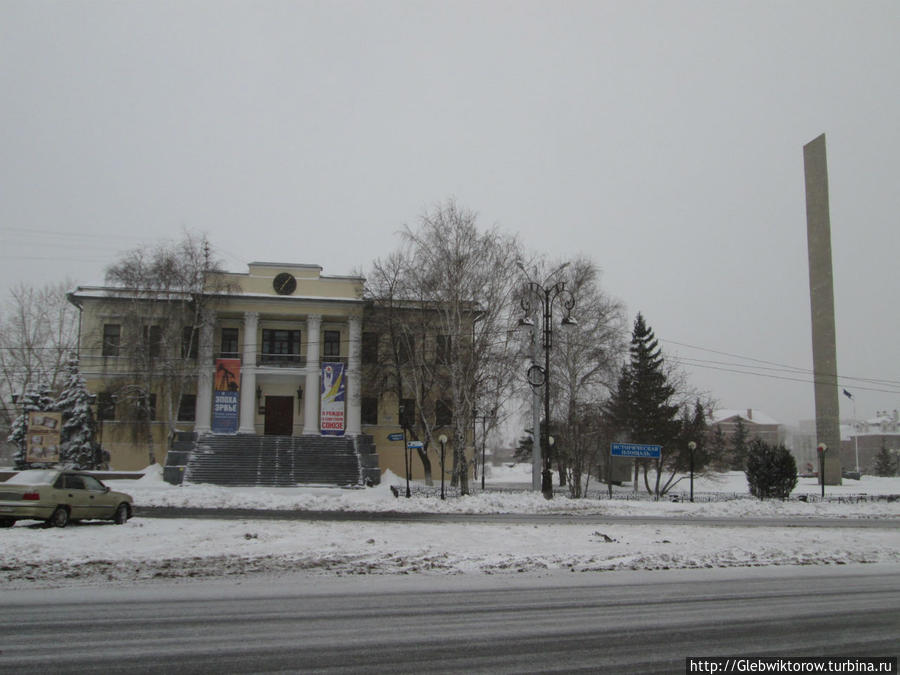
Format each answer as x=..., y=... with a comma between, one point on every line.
x=273, y=461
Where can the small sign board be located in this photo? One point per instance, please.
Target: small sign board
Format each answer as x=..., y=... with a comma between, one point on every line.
x=415, y=445
x=395, y=437
x=43, y=437
x=636, y=450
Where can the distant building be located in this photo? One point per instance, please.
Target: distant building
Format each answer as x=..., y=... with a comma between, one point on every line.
x=757, y=424
x=867, y=437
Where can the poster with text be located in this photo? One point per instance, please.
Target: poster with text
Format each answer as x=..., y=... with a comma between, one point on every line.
x=333, y=388
x=226, y=396
x=43, y=437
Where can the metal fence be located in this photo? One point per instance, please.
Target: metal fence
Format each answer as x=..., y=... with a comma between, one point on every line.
x=602, y=494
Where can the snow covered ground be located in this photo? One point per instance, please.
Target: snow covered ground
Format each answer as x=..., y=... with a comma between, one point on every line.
x=149, y=548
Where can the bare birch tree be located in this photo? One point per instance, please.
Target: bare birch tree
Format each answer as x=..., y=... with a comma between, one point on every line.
x=458, y=282
x=585, y=360
x=406, y=364
x=38, y=330
x=161, y=294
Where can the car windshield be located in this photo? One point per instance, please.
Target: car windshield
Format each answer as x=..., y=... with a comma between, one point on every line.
x=33, y=477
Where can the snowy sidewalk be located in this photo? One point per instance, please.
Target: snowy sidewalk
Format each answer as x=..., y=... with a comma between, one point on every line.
x=147, y=549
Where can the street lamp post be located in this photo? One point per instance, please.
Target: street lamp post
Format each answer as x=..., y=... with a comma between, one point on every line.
x=484, y=419
x=406, y=459
x=442, y=439
x=691, y=447
x=537, y=376
x=822, y=448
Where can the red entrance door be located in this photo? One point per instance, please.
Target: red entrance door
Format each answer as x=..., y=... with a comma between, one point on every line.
x=279, y=415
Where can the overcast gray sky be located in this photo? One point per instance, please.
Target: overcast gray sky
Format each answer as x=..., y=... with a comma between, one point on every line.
x=662, y=139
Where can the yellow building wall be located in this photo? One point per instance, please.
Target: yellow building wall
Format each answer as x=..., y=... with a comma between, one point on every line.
x=128, y=452
x=315, y=294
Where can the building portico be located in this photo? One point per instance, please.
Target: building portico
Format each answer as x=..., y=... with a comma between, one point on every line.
x=280, y=340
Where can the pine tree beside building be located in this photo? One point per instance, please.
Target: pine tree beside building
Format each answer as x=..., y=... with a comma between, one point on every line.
x=718, y=450
x=885, y=462
x=78, y=446
x=739, y=447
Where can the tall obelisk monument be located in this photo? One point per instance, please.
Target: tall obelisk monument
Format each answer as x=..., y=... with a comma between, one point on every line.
x=821, y=296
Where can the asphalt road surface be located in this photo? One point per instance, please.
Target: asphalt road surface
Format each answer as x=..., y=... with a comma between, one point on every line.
x=537, y=518
x=631, y=622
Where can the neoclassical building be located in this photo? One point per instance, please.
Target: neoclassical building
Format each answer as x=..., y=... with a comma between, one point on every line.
x=268, y=380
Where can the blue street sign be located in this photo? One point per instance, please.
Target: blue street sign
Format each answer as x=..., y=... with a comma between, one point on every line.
x=636, y=450
x=395, y=437
x=415, y=445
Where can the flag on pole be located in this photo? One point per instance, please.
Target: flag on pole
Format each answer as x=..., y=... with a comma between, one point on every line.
x=848, y=394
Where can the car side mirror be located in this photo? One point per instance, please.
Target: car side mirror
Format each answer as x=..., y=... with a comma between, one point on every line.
x=105, y=489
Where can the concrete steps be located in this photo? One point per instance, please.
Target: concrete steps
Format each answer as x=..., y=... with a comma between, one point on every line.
x=278, y=461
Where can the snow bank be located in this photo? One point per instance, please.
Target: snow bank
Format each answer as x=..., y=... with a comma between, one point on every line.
x=147, y=548
x=151, y=490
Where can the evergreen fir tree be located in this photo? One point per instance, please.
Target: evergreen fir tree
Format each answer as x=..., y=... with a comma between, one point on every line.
x=771, y=470
x=718, y=450
x=77, y=439
x=694, y=428
x=641, y=406
x=739, y=447
x=885, y=462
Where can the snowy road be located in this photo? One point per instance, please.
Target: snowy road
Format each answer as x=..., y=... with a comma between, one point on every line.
x=230, y=513
x=617, y=622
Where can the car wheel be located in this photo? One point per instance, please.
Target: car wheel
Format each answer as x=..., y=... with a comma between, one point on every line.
x=60, y=517
x=7, y=522
x=121, y=515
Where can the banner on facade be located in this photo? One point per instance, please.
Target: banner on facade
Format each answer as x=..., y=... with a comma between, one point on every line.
x=226, y=396
x=333, y=390
x=43, y=437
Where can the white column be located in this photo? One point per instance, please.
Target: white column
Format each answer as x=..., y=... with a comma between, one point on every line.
x=206, y=370
x=354, y=400
x=311, y=391
x=248, y=375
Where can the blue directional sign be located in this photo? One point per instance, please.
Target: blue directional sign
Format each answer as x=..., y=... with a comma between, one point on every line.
x=395, y=437
x=636, y=450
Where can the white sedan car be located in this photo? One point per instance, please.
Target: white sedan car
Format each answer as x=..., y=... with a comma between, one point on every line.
x=59, y=496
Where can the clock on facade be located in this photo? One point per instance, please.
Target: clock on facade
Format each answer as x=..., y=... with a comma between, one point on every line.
x=284, y=283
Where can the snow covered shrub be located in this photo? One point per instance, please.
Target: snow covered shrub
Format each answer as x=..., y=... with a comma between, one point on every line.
x=771, y=470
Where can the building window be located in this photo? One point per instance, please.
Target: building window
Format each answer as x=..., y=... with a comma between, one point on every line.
x=187, y=408
x=442, y=349
x=403, y=348
x=145, y=408
x=407, y=412
x=332, y=345
x=370, y=348
x=189, y=337
x=443, y=414
x=112, y=335
x=229, y=343
x=281, y=346
x=153, y=340
x=106, y=406
x=369, y=410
